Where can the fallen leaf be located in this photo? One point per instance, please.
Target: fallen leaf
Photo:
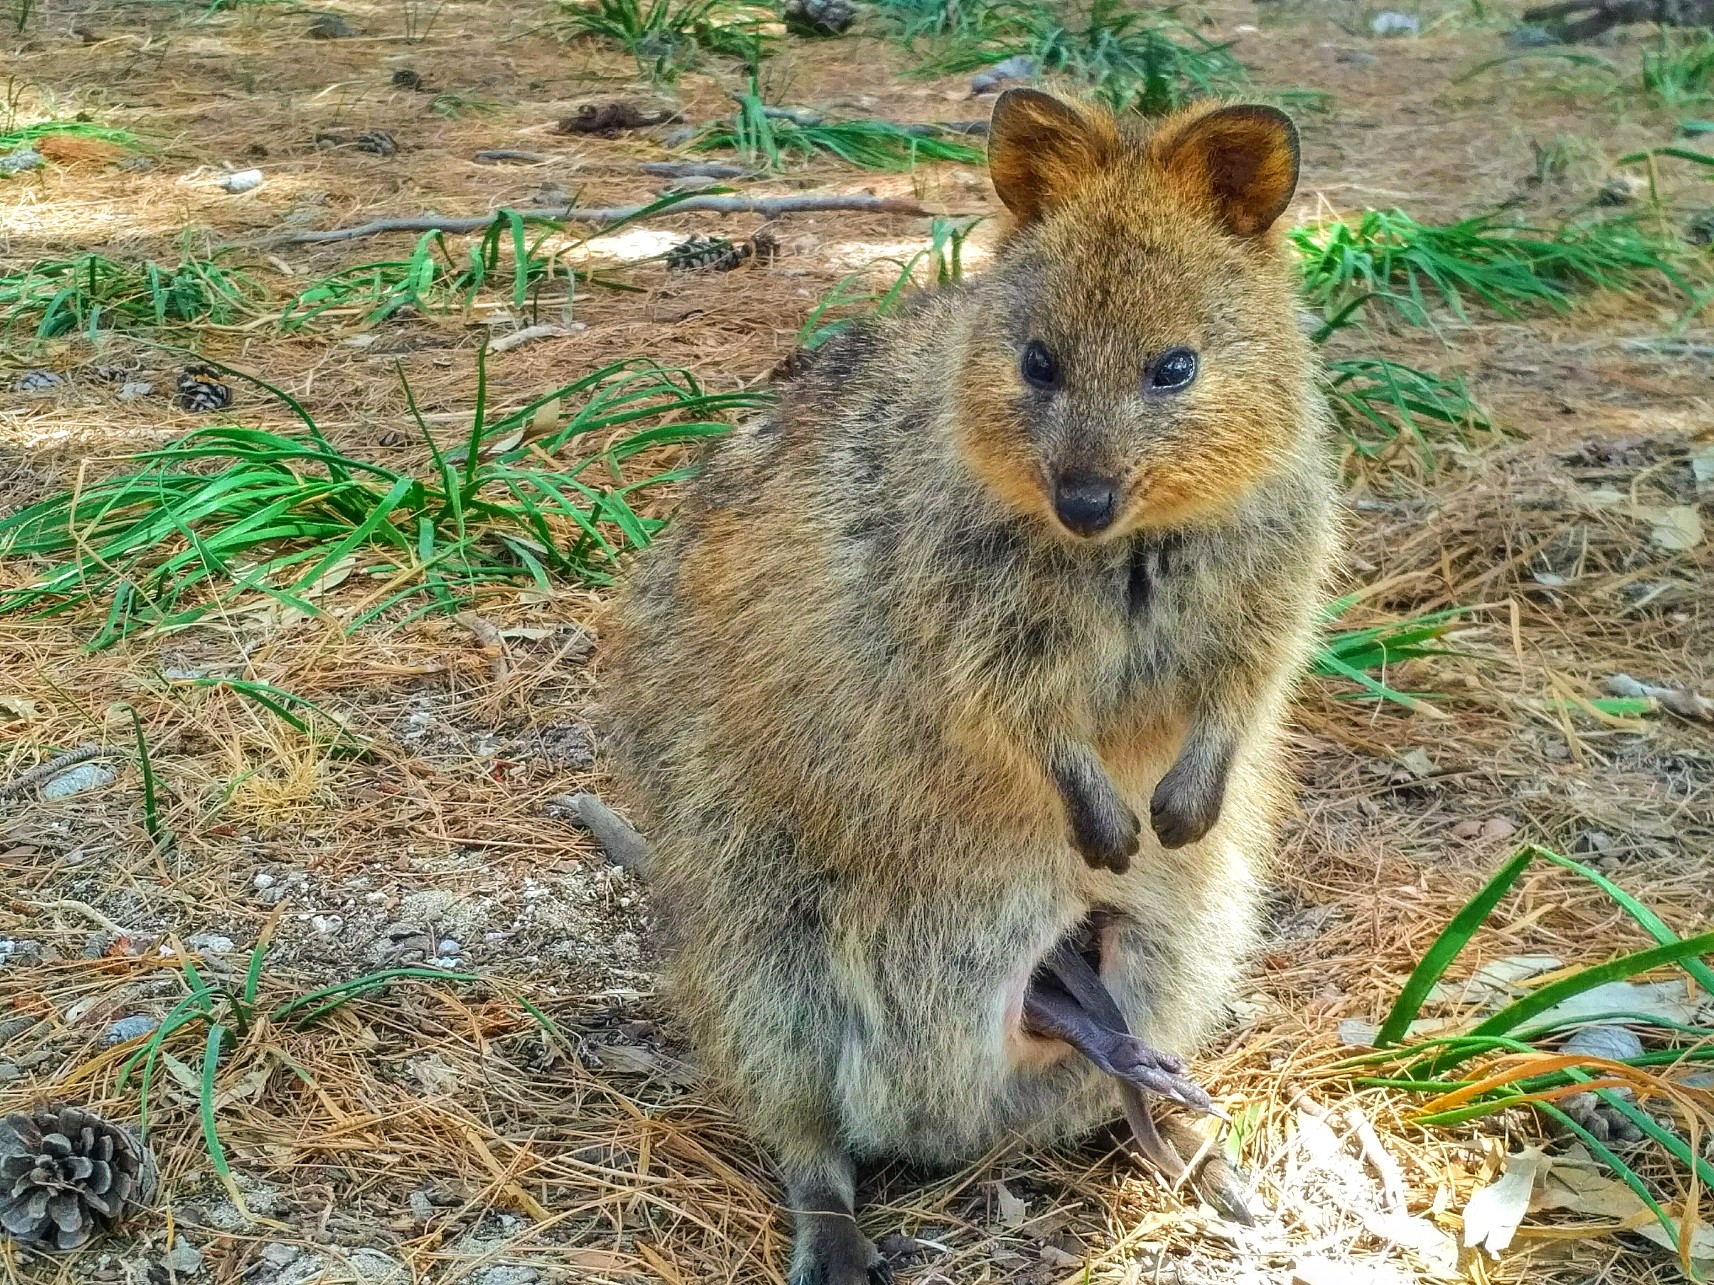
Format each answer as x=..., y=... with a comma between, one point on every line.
x=1433, y=1246
x=1679, y=527
x=1491, y=1218
x=1012, y=1209
x=1702, y=467
x=1670, y=1000
x=434, y=1073
x=1494, y=982
x=1701, y=1244
x=1576, y=1184
x=1417, y=763
x=17, y=707
x=249, y=1085
x=1328, y=1271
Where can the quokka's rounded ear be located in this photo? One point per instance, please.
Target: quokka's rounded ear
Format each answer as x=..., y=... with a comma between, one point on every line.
x=1040, y=150
x=1244, y=159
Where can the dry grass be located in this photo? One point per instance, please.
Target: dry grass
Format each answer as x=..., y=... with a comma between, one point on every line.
x=440, y=1123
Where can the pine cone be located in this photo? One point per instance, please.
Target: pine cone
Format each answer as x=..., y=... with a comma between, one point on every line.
x=200, y=389
x=819, y=17
x=764, y=246
x=66, y=1175
x=377, y=142
x=706, y=254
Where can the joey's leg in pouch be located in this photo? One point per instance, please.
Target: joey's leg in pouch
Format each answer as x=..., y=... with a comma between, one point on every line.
x=1067, y=1000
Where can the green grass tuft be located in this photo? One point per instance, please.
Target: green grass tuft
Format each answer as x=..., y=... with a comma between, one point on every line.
x=228, y=513
x=1679, y=70
x=768, y=138
x=1364, y=656
x=852, y=299
x=1509, y=1059
x=667, y=37
x=1388, y=256
x=1143, y=60
x=14, y=138
x=92, y=292
x=1378, y=404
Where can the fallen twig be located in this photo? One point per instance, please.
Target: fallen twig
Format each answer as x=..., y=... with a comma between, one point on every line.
x=695, y=169
x=529, y=334
x=770, y=207
x=618, y=838
x=83, y=908
x=507, y=154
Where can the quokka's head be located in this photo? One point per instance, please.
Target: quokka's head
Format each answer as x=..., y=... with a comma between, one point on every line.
x=1137, y=360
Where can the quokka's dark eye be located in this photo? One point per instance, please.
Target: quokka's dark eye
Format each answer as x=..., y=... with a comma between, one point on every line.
x=1038, y=366
x=1173, y=369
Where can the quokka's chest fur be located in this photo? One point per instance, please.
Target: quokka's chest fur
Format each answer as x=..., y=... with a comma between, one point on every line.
x=915, y=577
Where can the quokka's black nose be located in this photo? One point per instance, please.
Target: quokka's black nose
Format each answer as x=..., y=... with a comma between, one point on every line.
x=1087, y=505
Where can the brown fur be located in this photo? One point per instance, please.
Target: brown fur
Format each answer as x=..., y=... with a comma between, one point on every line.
x=867, y=684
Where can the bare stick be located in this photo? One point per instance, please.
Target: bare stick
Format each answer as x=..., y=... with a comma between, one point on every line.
x=770, y=207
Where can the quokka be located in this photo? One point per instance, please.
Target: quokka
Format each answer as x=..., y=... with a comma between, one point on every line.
x=1036, y=556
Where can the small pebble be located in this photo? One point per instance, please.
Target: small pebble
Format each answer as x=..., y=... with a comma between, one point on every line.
x=330, y=26
x=448, y=947
x=133, y=1027
x=183, y=1258
x=1390, y=22
x=1017, y=67
x=36, y=381
x=79, y=780
x=22, y=159
x=421, y=1205
x=277, y=1255
x=1622, y=189
x=135, y=390
x=1530, y=35
x=211, y=944
x=241, y=181
x=263, y=880
x=1498, y=828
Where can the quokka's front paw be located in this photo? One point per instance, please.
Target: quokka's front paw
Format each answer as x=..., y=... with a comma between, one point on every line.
x=1107, y=838
x=1185, y=806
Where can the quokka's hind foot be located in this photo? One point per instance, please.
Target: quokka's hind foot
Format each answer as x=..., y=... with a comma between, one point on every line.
x=833, y=1252
x=827, y=1247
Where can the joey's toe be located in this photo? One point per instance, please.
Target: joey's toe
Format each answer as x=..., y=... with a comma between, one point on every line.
x=881, y=1272
x=1159, y=1073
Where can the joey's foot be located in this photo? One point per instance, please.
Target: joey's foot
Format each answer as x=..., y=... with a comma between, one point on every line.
x=1185, y=806
x=1107, y=839
x=831, y=1251
x=1161, y=1073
